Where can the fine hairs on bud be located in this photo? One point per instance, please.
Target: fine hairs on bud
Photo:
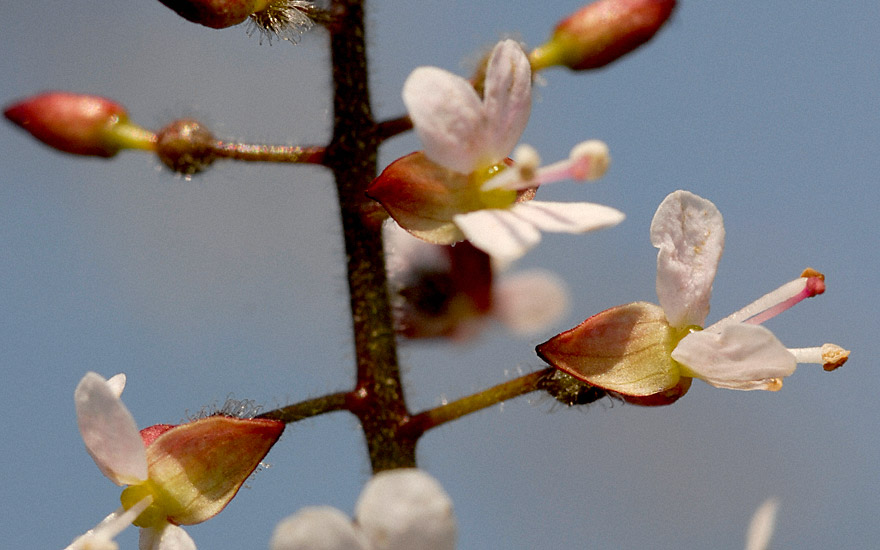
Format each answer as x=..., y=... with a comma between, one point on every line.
x=283, y=19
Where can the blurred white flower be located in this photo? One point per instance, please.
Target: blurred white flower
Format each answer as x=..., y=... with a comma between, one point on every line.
x=452, y=291
x=404, y=509
x=762, y=524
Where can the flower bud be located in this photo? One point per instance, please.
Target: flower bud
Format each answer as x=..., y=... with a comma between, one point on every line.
x=186, y=147
x=217, y=14
x=79, y=124
x=602, y=32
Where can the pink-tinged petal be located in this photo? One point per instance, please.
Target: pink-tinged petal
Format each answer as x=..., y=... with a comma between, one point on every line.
x=568, y=217
x=738, y=357
x=689, y=232
x=624, y=349
x=448, y=116
x=109, y=431
x=168, y=537
x=507, y=98
x=500, y=233
x=318, y=528
x=530, y=301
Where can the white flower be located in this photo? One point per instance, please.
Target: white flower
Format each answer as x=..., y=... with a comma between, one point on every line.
x=404, y=509
x=736, y=352
x=114, y=442
x=461, y=186
x=648, y=354
x=164, y=465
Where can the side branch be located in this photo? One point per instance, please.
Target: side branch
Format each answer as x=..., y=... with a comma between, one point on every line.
x=424, y=421
x=268, y=153
x=308, y=408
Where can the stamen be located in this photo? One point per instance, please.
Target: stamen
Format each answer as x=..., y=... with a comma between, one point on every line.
x=521, y=175
x=830, y=356
x=587, y=161
x=775, y=302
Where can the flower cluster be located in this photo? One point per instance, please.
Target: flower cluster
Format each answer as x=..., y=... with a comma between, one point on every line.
x=400, y=509
x=648, y=354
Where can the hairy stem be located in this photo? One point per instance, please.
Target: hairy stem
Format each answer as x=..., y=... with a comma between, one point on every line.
x=522, y=385
x=378, y=399
x=309, y=408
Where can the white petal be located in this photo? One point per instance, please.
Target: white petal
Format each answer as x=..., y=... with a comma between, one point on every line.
x=168, y=537
x=406, y=509
x=109, y=431
x=507, y=97
x=761, y=527
x=500, y=233
x=448, y=116
x=689, y=232
x=530, y=301
x=117, y=383
x=738, y=357
x=567, y=217
x=101, y=537
x=318, y=528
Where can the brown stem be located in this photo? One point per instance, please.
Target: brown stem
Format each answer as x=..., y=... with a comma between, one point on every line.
x=268, y=153
x=378, y=399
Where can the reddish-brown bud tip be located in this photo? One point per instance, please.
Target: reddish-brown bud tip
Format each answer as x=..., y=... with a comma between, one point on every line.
x=186, y=147
x=217, y=14
x=73, y=123
x=602, y=32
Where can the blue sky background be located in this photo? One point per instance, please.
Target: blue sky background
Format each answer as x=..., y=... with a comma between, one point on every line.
x=233, y=283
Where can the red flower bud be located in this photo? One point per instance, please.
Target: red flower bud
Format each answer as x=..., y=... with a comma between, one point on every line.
x=602, y=32
x=78, y=124
x=217, y=14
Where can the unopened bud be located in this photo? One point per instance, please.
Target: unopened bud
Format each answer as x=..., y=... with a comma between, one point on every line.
x=602, y=32
x=79, y=124
x=186, y=147
x=217, y=14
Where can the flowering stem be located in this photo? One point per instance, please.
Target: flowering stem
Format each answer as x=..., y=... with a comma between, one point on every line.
x=378, y=399
x=268, y=153
x=424, y=421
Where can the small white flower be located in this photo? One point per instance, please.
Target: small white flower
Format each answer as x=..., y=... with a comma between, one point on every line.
x=461, y=185
x=404, y=509
x=648, y=354
x=114, y=442
x=736, y=352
